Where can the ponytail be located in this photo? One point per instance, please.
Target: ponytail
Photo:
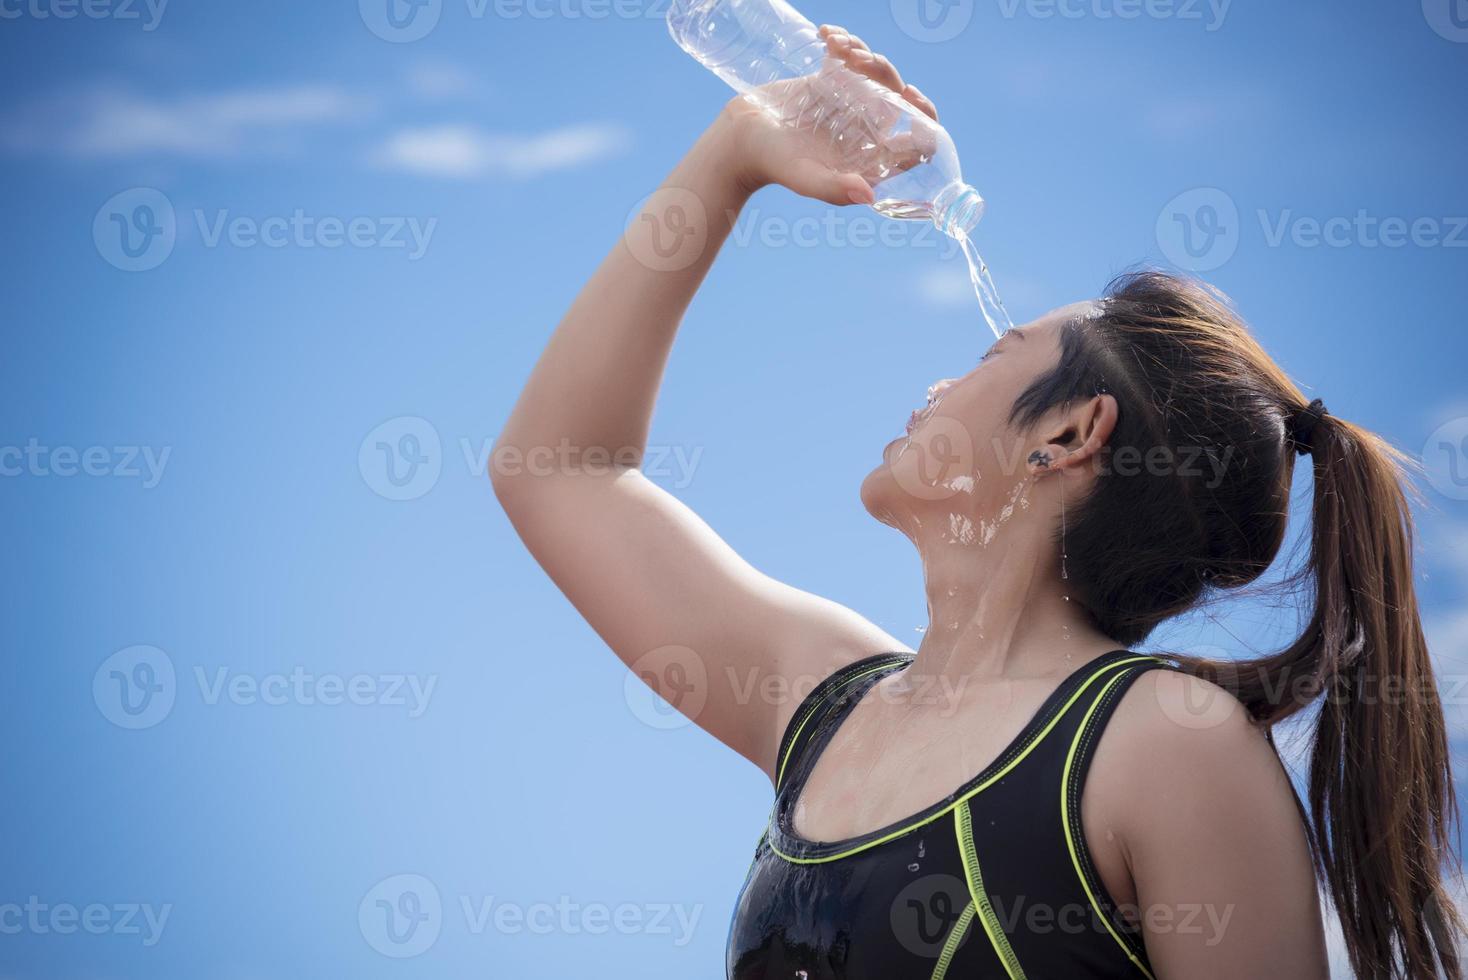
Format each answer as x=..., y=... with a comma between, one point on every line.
x=1146, y=546
x=1380, y=787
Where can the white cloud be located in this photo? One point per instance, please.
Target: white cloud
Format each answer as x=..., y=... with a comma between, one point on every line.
x=947, y=286
x=466, y=151
x=1184, y=116
x=109, y=123
x=441, y=81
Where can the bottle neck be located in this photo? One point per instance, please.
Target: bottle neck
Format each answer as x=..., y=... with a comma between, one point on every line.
x=957, y=210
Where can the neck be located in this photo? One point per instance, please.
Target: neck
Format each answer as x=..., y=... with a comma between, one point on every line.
x=1001, y=608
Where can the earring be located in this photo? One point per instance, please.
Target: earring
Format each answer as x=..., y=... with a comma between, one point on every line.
x=1040, y=459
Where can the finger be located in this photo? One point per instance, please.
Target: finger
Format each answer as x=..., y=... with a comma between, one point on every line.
x=836, y=38
x=857, y=43
x=877, y=68
x=915, y=95
x=838, y=44
x=811, y=178
x=904, y=152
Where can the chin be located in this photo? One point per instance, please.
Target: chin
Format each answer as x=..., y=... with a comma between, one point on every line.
x=879, y=493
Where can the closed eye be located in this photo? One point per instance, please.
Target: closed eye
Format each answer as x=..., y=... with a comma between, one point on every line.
x=1015, y=332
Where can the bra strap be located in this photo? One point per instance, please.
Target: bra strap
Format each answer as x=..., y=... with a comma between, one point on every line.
x=807, y=718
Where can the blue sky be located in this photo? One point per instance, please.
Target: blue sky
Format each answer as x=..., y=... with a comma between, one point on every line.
x=371, y=237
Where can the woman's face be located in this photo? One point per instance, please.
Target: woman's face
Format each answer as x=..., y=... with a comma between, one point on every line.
x=961, y=467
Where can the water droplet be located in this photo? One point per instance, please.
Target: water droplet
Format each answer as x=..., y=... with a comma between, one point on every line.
x=1063, y=573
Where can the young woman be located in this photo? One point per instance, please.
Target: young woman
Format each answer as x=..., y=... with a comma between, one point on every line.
x=1022, y=796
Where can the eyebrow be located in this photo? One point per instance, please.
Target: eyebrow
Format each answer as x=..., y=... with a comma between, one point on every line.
x=1015, y=332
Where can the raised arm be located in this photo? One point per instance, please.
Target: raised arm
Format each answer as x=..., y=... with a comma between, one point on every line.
x=665, y=592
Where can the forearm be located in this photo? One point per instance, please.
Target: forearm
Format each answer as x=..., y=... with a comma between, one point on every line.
x=596, y=383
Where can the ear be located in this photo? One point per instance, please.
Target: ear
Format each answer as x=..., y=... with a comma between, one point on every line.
x=1077, y=437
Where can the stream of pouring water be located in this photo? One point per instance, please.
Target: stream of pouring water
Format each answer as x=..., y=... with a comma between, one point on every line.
x=989, y=302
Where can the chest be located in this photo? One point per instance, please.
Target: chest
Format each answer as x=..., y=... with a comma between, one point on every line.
x=899, y=751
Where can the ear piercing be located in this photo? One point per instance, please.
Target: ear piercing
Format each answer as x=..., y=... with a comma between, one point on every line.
x=1040, y=458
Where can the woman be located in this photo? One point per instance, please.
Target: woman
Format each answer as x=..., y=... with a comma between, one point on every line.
x=1101, y=470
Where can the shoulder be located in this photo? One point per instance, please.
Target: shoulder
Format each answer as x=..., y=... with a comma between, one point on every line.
x=1185, y=741
x=1175, y=711
x=1201, y=817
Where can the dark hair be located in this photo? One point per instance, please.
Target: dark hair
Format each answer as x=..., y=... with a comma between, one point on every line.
x=1151, y=541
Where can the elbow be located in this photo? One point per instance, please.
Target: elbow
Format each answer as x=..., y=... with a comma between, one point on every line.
x=507, y=478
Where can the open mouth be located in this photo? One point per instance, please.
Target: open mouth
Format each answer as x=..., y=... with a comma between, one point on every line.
x=923, y=414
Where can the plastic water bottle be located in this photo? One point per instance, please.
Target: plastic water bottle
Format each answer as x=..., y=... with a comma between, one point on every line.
x=767, y=51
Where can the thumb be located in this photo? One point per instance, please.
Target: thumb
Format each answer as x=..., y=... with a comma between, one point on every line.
x=812, y=178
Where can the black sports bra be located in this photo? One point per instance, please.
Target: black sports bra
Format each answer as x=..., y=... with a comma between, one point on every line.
x=994, y=881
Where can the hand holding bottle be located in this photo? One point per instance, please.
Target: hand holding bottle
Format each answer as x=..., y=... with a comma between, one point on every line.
x=808, y=135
